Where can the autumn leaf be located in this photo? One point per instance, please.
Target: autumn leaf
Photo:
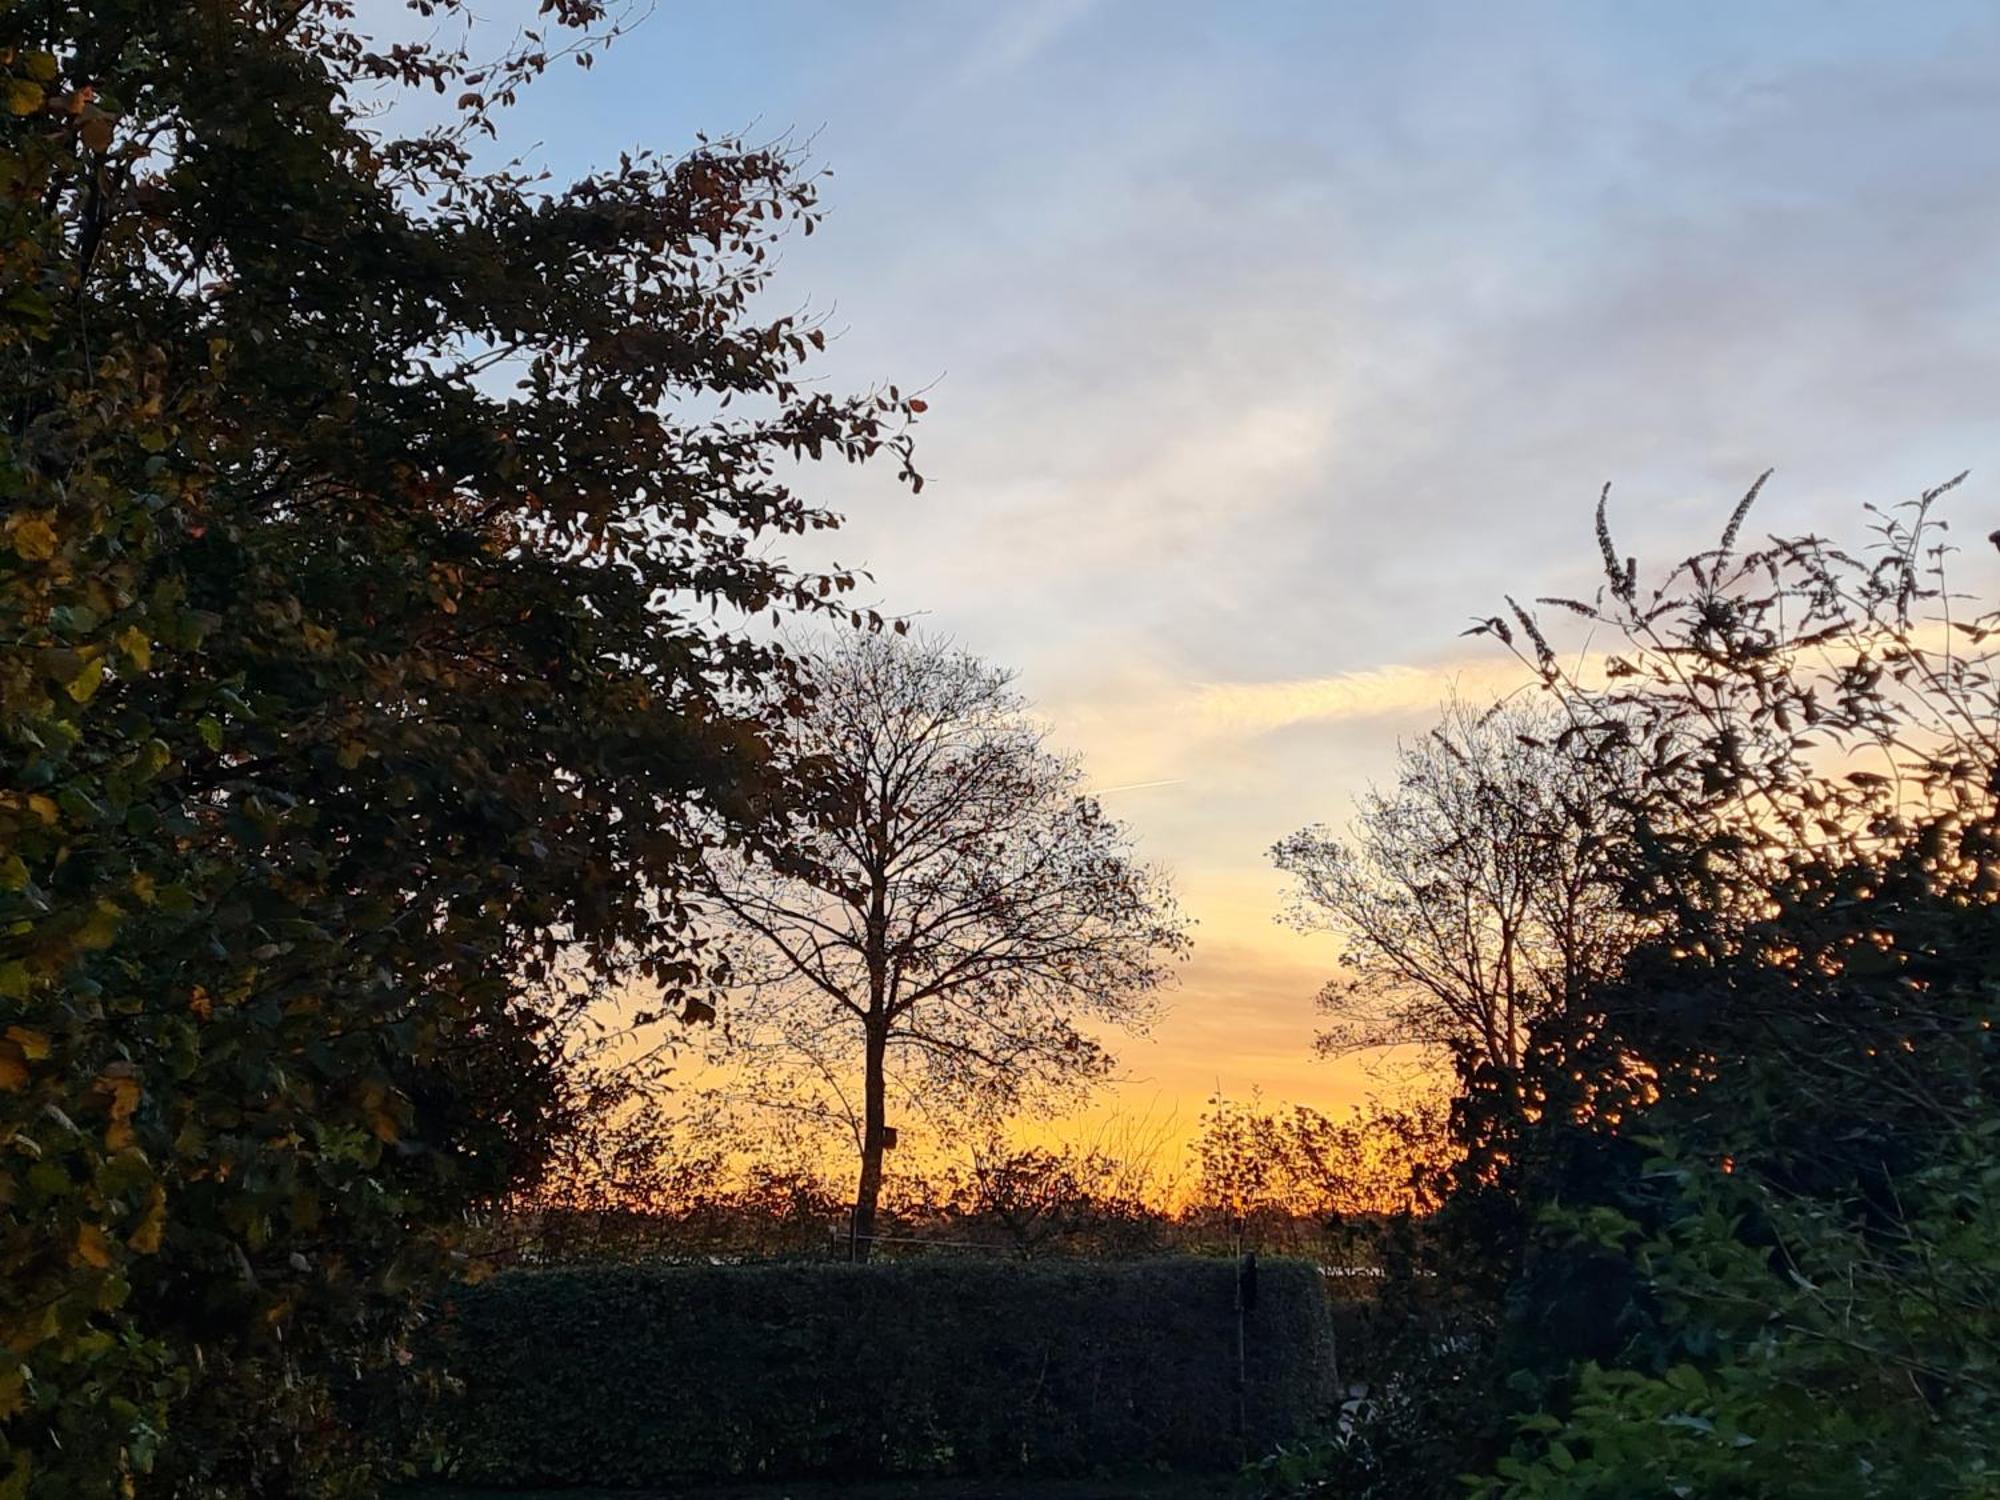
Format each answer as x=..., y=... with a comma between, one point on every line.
x=133, y=642
x=33, y=538
x=92, y=1247
x=152, y=1222
x=377, y=1105
x=100, y=929
x=125, y=1094
x=83, y=687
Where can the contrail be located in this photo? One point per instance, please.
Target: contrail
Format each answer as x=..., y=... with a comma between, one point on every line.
x=1138, y=786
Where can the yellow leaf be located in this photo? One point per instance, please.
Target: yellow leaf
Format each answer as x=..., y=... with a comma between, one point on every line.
x=124, y=1090
x=43, y=807
x=24, y=96
x=13, y=1070
x=92, y=1246
x=34, y=1045
x=32, y=536
x=100, y=929
x=152, y=1223
x=119, y=1134
x=378, y=1104
x=132, y=641
x=125, y=1094
x=40, y=66
x=83, y=687
x=200, y=1003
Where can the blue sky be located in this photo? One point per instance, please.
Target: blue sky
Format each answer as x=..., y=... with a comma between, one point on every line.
x=1273, y=341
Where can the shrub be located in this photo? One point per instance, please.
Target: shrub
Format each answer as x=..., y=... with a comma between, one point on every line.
x=647, y=1375
x=1757, y=1166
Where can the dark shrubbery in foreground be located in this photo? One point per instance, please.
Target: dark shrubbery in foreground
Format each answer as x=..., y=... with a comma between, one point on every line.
x=650, y=1375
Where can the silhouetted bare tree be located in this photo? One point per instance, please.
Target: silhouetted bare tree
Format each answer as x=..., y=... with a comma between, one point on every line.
x=956, y=912
x=1472, y=894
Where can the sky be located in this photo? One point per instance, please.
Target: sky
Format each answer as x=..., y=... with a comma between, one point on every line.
x=1266, y=345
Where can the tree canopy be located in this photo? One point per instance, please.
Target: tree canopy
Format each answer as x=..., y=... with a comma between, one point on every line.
x=378, y=535
x=1759, y=1229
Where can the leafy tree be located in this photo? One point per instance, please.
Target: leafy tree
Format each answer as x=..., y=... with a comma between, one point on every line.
x=951, y=911
x=1733, y=1221
x=1473, y=895
x=1766, y=1257
x=372, y=541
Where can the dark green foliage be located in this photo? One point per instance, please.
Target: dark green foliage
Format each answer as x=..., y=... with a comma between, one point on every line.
x=1762, y=1221
x=644, y=1375
x=1414, y=1368
x=1730, y=1225
x=374, y=557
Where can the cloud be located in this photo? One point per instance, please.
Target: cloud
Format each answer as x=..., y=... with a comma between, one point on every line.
x=1206, y=475
x=1279, y=342
x=1020, y=32
x=1248, y=708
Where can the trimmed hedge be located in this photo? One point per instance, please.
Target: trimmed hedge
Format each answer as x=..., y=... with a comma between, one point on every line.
x=648, y=1375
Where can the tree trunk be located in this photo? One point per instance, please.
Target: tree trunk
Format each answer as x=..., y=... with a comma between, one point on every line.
x=874, y=1107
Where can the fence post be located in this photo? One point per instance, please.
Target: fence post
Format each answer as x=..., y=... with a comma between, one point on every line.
x=1243, y=1262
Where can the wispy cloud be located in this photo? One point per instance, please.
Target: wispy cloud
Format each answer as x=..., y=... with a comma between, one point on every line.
x=1260, y=707
x=1019, y=33
x=1283, y=340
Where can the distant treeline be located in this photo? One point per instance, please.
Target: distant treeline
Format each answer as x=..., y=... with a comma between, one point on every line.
x=1284, y=1179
